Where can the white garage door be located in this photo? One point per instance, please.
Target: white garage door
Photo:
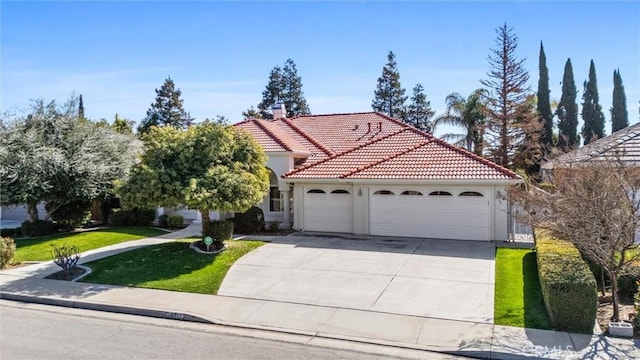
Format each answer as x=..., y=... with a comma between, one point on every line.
x=430, y=213
x=328, y=209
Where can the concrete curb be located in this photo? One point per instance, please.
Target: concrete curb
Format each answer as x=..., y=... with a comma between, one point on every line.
x=104, y=307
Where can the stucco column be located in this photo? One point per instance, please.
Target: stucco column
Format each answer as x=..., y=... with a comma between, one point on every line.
x=287, y=209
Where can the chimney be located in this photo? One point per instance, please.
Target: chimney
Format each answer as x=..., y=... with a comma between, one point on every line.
x=279, y=111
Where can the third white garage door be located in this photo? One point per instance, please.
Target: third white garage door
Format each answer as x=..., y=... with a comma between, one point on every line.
x=443, y=213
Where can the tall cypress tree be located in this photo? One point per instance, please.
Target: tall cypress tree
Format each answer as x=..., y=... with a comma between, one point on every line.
x=80, y=108
x=418, y=114
x=619, y=115
x=284, y=87
x=568, y=111
x=389, y=96
x=544, y=105
x=592, y=115
x=167, y=109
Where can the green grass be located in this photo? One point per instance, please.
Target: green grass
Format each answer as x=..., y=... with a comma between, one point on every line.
x=518, y=297
x=169, y=266
x=39, y=249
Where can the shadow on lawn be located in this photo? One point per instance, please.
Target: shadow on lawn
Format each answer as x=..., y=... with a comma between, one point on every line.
x=535, y=313
x=133, y=230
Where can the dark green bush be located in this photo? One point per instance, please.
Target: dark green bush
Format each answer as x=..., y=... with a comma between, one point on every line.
x=249, y=222
x=175, y=221
x=219, y=230
x=133, y=217
x=144, y=217
x=163, y=220
x=12, y=233
x=72, y=215
x=37, y=228
x=7, y=251
x=628, y=283
x=568, y=285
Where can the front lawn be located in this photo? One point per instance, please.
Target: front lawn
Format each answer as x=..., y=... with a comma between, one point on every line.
x=39, y=249
x=169, y=266
x=518, y=298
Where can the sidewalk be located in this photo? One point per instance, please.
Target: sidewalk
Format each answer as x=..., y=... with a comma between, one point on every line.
x=454, y=337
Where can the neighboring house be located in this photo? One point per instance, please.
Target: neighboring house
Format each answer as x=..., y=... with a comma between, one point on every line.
x=622, y=145
x=367, y=173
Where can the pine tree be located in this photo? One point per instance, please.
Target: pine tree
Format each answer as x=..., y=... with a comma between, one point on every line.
x=619, y=115
x=284, y=87
x=508, y=89
x=593, y=127
x=418, y=114
x=167, y=110
x=389, y=95
x=568, y=111
x=251, y=113
x=81, y=108
x=544, y=105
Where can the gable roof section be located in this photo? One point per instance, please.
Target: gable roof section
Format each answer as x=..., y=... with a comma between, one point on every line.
x=272, y=137
x=623, y=144
x=406, y=153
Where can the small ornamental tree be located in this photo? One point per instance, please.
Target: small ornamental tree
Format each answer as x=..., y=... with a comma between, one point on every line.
x=209, y=167
x=596, y=207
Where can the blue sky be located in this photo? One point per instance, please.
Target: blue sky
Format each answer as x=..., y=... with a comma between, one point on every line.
x=220, y=53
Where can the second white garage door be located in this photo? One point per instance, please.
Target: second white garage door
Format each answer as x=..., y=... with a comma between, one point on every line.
x=429, y=213
x=328, y=209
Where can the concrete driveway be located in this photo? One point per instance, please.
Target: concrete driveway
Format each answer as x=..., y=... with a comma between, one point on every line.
x=445, y=279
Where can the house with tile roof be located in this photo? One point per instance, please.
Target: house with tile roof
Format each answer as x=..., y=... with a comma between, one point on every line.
x=623, y=145
x=367, y=173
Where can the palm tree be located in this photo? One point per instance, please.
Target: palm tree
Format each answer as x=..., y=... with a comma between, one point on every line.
x=470, y=114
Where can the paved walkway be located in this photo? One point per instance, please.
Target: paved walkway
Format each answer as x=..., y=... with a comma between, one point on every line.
x=463, y=338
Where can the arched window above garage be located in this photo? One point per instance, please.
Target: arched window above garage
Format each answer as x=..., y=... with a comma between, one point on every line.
x=340, y=191
x=383, y=192
x=411, y=192
x=440, y=193
x=471, y=193
x=316, y=191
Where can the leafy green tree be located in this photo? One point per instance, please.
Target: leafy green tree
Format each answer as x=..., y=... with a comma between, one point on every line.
x=469, y=114
x=593, y=127
x=166, y=110
x=122, y=126
x=544, y=104
x=418, y=113
x=567, y=111
x=80, y=108
x=508, y=89
x=49, y=156
x=210, y=166
x=619, y=115
x=389, y=96
x=284, y=87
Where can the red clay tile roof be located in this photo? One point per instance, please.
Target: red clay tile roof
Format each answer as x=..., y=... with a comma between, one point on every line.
x=271, y=136
x=370, y=146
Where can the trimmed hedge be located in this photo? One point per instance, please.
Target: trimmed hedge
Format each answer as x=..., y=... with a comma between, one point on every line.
x=250, y=221
x=219, y=230
x=568, y=285
x=37, y=228
x=175, y=221
x=72, y=215
x=134, y=217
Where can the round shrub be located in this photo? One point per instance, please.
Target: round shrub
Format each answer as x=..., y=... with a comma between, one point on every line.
x=37, y=228
x=249, y=222
x=144, y=217
x=163, y=220
x=175, y=221
x=220, y=231
x=123, y=218
x=628, y=283
x=7, y=251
